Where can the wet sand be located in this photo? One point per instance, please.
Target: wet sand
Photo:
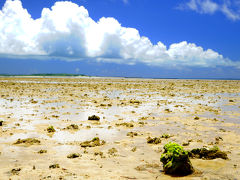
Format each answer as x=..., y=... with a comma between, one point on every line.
x=194, y=113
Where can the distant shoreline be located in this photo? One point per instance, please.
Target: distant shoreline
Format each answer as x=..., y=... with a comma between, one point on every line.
x=62, y=75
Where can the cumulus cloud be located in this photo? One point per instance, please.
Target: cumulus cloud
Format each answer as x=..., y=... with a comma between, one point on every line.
x=230, y=8
x=66, y=31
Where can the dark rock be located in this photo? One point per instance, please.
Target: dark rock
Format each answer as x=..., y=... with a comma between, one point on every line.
x=94, y=118
x=73, y=126
x=50, y=129
x=154, y=140
x=15, y=171
x=74, y=155
x=54, y=166
x=204, y=153
x=28, y=141
x=94, y=142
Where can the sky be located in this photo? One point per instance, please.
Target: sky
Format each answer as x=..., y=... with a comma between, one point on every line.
x=130, y=38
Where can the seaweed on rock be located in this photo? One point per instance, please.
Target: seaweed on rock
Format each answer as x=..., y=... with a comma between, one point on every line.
x=176, y=160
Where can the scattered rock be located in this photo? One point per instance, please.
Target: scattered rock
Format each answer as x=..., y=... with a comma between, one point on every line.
x=112, y=151
x=204, y=153
x=54, y=166
x=94, y=118
x=94, y=142
x=134, y=102
x=185, y=143
x=134, y=149
x=154, y=140
x=132, y=134
x=1, y=123
x=50, y=129
x=33, y=101
x=42, y=151
x=15, y=171
x=73, y=127
x=28, y=141
x=99, y=153
x=128, y=125
x=218, y=139
x=196, y=118
x=166, y=136
x=74, y=155
x=176, y=160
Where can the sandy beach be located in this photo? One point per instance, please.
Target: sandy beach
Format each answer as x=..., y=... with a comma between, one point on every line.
x=45, y=126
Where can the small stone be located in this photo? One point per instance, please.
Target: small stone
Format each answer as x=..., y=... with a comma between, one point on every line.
x=54, y=166
x=154, y=140
x=50, y=129
x=94, y=118
x=15, y=171
x=74, y=155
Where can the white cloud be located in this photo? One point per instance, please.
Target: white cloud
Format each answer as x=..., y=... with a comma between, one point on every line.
x=230, y=8
x=202, y=6
x=66, y=31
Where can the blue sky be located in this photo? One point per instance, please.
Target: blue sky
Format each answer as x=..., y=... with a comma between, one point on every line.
x=149, y=38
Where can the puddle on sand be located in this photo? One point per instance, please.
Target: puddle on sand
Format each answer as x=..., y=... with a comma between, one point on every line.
x=17, y=136
x=87, y=134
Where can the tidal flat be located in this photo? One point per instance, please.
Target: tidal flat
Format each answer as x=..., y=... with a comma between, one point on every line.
x=115, y=128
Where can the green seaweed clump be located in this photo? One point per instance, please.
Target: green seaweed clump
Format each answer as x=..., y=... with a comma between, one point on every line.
x=154, y=140
x=94, y=118
x=50, y=129
x=28, y=141
x=93, y=143
x=176, y=160
x=74, y=155
x=204, y=153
